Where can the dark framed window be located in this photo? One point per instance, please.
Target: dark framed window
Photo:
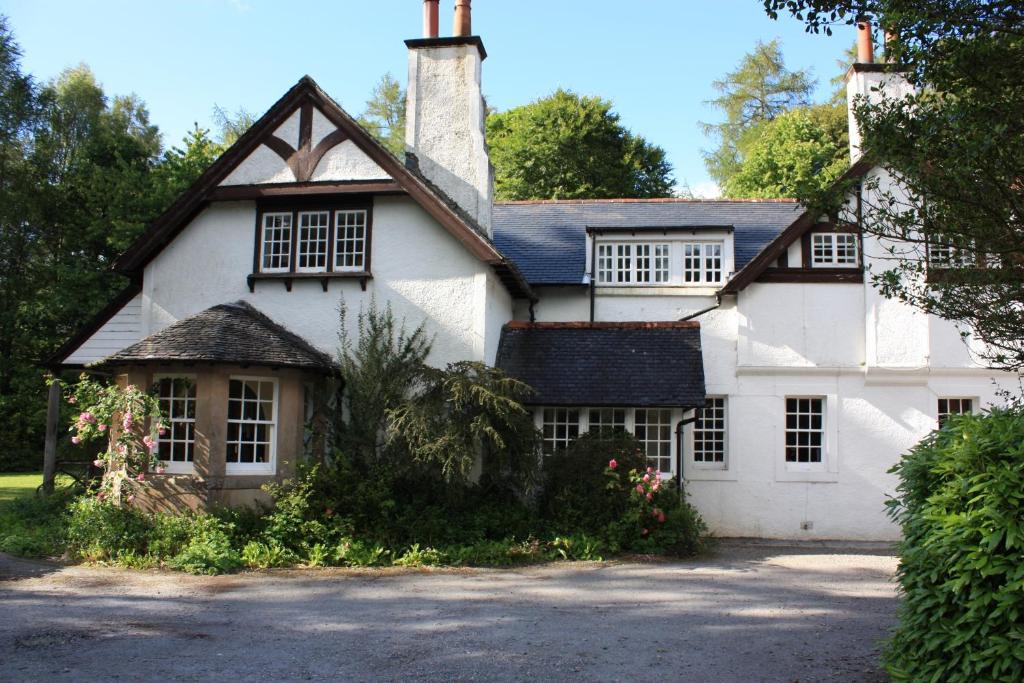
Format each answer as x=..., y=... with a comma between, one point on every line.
x=805, y=430
x=307, y=238
x=709, y=430
x=954, y=406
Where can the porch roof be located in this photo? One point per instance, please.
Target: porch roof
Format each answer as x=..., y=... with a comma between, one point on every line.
x=233, y=333
x=642, y=364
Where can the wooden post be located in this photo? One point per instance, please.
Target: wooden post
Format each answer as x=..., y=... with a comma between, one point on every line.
x=50, y=445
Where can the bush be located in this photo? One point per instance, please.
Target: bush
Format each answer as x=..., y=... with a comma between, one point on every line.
x=575, y=496
x=34, y=526
x=209, y=549
x=959, y=504
x=98, y=530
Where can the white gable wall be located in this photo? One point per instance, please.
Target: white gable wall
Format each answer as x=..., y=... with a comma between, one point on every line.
x=123, y=329
x=418, y=267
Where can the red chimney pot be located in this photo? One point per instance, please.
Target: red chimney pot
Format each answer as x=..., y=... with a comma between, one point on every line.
x=865, y=47
x=430, y=18
x=463, y=24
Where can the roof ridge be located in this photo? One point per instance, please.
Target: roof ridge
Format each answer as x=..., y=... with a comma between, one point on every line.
x=652, y=200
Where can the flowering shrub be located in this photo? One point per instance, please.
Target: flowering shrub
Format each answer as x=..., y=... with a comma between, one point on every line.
x=130, y=420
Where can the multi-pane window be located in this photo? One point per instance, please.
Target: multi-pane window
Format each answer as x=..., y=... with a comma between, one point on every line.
x=312, y=242
x=834, y=249
x=944, y=253
x=177, y=397
x=653, y=428
x=561, y=426
x=702, y=262
x=709, y=432
x=805, y=430
x=624, y=264
x=954, y=406
x=350, y=240
x=277, y=242
x=252, y=418
x=606, y=421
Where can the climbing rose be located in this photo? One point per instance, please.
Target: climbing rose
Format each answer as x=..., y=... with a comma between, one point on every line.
x=661, y=517
x=76, y=440
x=130, y=499
x=149, y=443
x=101, y=495
x=72, y=400
x=644, y=532
x=639, y=488
x=97, y=463
x=102, y=428
x=163, y=430
x=127, y=422
x=87, y=417
x=141, y=477
x=647, y=477
x=160, y=470
x=650, y=496
x=613, y=463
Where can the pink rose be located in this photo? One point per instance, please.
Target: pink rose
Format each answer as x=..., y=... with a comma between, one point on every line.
x=650, y=496
x=661, y=517
x=72, y=400
x=647, y=477
x=87, y=418
x=127, y=422
x=644, y=532
x=141, y=476
x=101, y=495
x=97, y=463
x=102, y=427
x=130, y=499
x=131, y=387
x=639, y=488
x=613, y=463
x=650, y=470
x=160, y=470
x=163, y=430
x=76, y=440
x=149, y=443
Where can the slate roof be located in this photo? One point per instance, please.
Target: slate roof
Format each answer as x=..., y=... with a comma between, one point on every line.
x=228, y=333
x=606, y=364
x=547, y=240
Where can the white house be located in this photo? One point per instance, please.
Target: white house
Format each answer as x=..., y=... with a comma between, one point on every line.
x=739, y=340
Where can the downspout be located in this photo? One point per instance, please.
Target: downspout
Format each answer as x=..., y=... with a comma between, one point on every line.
x=718, y=298
x=679, y=446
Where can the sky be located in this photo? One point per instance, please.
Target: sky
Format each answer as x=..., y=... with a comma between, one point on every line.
x=655, y=59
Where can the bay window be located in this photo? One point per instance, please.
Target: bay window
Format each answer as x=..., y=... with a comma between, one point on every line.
x=251, y=425
x=176, y=446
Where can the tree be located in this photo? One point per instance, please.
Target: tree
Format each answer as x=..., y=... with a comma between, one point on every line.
x=384, y=116
x=232, y=126
x=758, y=90
x=796, y=153
x=957, y=149
x=569, y=146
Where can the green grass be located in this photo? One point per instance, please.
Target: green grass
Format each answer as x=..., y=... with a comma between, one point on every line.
x=17, y=485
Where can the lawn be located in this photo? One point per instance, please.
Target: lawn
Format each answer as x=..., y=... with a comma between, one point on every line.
x=16, y=485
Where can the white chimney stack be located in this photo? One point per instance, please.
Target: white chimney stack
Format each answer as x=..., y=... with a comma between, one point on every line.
x=445, y=113
x=868, y=81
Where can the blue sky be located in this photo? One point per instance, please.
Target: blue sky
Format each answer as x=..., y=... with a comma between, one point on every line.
x=655, y=59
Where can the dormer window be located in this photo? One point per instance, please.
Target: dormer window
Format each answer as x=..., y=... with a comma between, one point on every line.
x=702, y=262
x=834, y=250
x=663, y=261
x=319, y=241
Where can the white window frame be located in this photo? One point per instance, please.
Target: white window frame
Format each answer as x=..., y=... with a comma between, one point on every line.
x=941, y=416
x=269, y=467
x=823, y=431
x=173, y=466
x=631, y=263
x=286, y=215
x=301, y=249
x=560, y=417
x=612, y=424
x=692, y=440
x=702, y=273
x=829, y=241
x=648, y=442
x=341, y=238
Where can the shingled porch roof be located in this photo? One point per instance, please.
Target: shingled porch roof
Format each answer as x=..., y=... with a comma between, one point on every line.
x=635, y=364
x=233, y=333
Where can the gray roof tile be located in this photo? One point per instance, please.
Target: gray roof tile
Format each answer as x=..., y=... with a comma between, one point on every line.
x=547, y=240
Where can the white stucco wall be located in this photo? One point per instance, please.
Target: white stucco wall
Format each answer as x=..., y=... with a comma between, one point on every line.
x=345, y=161
x=263, y=165
x=418, y=267
x=123, y=328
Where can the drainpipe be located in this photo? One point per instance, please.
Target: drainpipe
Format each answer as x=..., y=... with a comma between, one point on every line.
x=592, y=275
x=702, y=311
x=679, y=446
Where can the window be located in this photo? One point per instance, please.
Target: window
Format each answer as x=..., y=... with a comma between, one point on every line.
x=607, y=421
x=943, y=253
x=312, y=243
x=252, y=422
x=177, y=397
x=702, y=262
x=350, y=240
x=321, y=240
x=561, y=426
x=954, y=406
x=805, y=430
x=277, y=242
x=653, y=428
x=834, y=250
x=623, y=264
x=709, y=433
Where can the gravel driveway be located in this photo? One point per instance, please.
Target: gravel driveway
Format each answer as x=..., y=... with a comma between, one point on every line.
x=751, y=612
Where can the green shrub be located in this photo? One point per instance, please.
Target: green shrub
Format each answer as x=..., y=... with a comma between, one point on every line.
x=257, y=555
x=575, y=496
x=35, y=526
x=414, y=556
x=959, y=504
x=98, y=530
x=356, y=553
x=209, y=549
x=581, y=547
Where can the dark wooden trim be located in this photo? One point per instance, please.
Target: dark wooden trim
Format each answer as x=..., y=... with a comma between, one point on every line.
x=767, y=256
x=246, y=192
x=281, y=148
x=257, y=261
x=323, y=278
x=812, y=275
x=56, y=359
x=312, y=159
x=305, y=126
x=368, y=244
x=454, y=41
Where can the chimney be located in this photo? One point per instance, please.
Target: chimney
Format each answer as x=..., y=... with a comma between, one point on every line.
x=869, y=82
x=430, y=18
x=444, y=130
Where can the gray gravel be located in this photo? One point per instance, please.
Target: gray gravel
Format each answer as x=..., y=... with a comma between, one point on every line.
x=751, y=612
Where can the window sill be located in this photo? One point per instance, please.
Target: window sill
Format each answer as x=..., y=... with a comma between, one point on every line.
x=807, y=476
x=244, y=470
x=323, y=278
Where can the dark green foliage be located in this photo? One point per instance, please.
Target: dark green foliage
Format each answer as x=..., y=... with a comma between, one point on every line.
x=35, y=526
x=575, y=494
x=567, y=146
x=960, y=504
